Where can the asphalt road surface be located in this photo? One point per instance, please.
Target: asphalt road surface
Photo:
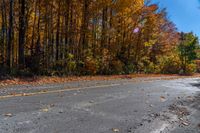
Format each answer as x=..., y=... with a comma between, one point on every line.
x=122, y=106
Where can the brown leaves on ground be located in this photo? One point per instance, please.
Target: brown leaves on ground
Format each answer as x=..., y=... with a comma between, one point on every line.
x=179, y=111
x=48, y=80
x=190, y=98
x=182, y=113
x=184, y=122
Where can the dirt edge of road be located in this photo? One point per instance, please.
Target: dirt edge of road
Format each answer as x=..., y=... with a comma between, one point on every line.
x=42, y=80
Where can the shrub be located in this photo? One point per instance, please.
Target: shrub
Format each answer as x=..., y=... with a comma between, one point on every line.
x=24, y=73
x=3, y=71
x=170, y=64
x=191, y=68
x=64, y=67
x=117, y=67
x=105, y=61
x=151, y=68
x=91, y=66
x=129, y=69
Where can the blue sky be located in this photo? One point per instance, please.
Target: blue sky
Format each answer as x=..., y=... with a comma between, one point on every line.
x=184, y=13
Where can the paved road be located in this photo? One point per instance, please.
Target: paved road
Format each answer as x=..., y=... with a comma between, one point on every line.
x=124, y=106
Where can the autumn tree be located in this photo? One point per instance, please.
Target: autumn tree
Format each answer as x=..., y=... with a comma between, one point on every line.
x=84, y=36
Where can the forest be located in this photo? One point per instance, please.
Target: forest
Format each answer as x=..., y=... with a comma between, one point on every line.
x=92, y=37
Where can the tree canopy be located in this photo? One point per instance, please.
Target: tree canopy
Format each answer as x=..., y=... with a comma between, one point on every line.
x=84, y=36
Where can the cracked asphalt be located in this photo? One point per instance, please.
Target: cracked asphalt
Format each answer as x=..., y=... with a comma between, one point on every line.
x=122, y=105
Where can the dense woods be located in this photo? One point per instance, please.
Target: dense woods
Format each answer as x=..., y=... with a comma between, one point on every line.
x=79, y=37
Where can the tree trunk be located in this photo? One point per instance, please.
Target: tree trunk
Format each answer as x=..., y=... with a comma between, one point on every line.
x=22, y=33
x=10, y=36
x=4, y=32
x=84, y=28
x=58, y=33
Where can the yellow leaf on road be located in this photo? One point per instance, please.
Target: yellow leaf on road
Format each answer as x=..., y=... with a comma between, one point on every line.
x=45, y=110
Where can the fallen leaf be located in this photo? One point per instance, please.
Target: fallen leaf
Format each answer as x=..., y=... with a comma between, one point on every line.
x=186, y=123
x=8, y=115
x=181, y=119
x=45, y=110
x=25, y=94
x=162, y=98
x=115, y=130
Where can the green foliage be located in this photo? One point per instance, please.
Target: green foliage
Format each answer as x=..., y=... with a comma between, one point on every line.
x=187, y=52
x=145, y=65
x=71, y=64
x=150, y=43
x=170, y=64
x=129, y=68
x=188, y=46
x=65, y=67
x=152, y=68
